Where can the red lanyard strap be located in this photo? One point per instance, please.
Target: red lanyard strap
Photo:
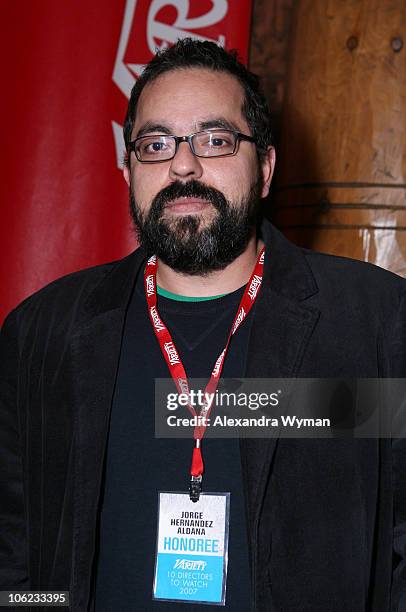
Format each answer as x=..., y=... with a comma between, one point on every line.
x=174, y=361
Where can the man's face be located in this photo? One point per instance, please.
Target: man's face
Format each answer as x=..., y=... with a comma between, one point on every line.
x=196, y=214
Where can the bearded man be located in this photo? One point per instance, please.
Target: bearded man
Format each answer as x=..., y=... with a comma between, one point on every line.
x=91, y=498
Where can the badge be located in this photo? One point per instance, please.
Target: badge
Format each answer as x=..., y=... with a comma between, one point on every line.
x=192, y=548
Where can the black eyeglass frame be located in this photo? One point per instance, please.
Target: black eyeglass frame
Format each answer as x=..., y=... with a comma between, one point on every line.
x=178, y=139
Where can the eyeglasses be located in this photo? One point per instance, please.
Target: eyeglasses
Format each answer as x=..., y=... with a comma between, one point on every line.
x=209, y=143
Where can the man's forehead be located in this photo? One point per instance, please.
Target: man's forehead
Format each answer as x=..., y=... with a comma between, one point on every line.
x=192, y=99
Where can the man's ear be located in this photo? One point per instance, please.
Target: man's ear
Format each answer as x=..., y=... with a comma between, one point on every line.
x=126, y=172
x=267, y=168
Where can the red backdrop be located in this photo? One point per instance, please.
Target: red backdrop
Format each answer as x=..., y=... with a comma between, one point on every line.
x=68, y=68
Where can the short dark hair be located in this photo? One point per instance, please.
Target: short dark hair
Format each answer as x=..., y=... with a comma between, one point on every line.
x=189, y=53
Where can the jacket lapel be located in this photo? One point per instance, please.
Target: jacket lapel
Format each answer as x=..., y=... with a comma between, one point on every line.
x=284, y=328
x=95, y=350
x=281, y=329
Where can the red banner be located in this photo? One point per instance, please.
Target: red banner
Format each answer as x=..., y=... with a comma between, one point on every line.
x=68, y=71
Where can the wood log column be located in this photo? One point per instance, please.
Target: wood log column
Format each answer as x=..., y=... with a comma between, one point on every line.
x=342, y=160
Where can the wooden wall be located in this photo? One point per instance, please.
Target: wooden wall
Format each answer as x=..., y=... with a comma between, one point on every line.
x=334, y=72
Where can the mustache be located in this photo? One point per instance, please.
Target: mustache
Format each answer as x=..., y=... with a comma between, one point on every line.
x=191, y=189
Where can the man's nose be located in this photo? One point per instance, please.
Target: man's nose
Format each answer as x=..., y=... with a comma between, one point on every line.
x=185, y=164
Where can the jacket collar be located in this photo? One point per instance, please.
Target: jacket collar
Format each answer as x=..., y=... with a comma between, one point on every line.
x=114, y=290
x=286, y=270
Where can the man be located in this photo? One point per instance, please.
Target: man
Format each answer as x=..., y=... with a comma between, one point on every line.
x=315, y=525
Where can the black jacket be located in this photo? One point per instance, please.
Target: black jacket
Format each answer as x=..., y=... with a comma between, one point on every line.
x=341, y=543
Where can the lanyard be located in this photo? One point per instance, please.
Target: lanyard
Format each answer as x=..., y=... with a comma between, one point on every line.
x=175, y=364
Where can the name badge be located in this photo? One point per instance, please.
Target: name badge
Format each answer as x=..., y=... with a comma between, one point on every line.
x=192, y=544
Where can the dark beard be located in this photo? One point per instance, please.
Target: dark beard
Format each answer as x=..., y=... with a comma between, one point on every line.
x=179, y=242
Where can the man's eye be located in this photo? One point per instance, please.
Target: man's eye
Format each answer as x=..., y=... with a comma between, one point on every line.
x=218, y=142
x=153, y=147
